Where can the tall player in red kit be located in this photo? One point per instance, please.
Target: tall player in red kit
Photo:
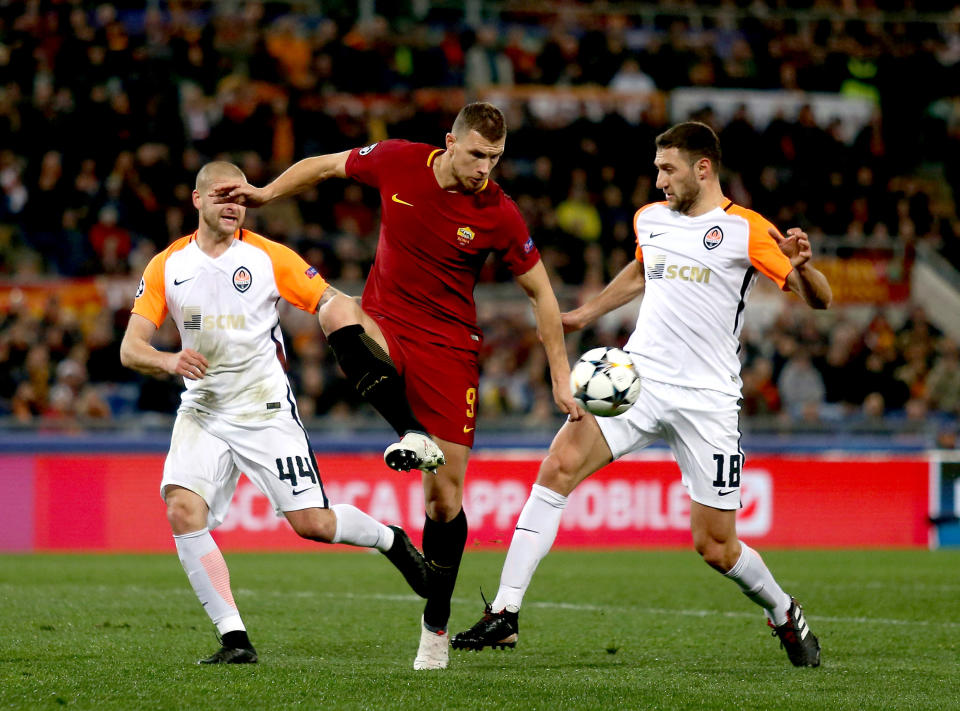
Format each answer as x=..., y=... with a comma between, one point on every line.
x=411, y=350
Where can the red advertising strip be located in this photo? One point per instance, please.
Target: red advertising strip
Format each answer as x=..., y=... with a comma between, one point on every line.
x=112, y=502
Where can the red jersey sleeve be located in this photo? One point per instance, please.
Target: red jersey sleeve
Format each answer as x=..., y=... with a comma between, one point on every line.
x=520, y=254
x=368, y=163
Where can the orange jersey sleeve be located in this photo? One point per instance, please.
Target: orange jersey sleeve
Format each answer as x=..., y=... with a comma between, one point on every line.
x=638, y=253
x=764, y=251
x=151, y=299
x=298, y=282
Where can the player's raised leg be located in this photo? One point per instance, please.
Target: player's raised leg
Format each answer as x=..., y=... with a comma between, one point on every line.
x=364, y=357
x=578, y=450
x=715, y=538
x=208, y=575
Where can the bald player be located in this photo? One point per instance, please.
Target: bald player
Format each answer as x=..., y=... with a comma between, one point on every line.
x=221, y=286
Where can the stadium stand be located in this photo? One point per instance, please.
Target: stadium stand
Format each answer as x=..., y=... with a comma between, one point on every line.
x=107, y=114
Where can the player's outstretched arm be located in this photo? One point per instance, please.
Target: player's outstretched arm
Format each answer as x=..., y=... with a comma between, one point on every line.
x=137, y=353
x=536, y=284
x=624, y=287
x=805, y=280
x=293, y=180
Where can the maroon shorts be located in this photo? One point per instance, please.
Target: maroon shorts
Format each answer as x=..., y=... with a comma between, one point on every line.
x=441, y=384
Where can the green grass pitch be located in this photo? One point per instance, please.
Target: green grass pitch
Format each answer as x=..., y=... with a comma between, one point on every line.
x=608, y=630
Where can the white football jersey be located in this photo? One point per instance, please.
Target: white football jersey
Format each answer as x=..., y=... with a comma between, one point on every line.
x=699, y=272
x=226, y=309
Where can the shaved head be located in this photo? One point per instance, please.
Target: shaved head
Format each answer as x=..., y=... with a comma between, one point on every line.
x=217, y=170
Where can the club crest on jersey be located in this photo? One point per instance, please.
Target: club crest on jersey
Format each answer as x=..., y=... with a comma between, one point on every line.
x=713, y=237
x=366, y=149
x=465, y=236
x=242, y=279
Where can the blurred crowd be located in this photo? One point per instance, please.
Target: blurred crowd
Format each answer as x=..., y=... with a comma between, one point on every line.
x=109, y=112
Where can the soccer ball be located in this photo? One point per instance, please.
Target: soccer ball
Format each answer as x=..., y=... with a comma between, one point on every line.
x=605, y=381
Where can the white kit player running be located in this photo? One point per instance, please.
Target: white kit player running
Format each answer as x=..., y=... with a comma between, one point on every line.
x=697, y=258
x=221, y=286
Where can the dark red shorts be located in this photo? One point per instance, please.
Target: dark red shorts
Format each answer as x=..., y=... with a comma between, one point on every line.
x=441, y=384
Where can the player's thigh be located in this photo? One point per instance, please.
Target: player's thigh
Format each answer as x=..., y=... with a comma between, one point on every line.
x=201, y=462
x=441, y=386
x=702, y=428
x=443, y=491
x=577, y=451
x=277, y=458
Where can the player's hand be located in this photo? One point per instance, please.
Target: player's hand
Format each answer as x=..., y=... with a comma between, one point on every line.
x=571, y=321
x=565, y=401
x=795, y=245
x=188, y=363
x=238, y=191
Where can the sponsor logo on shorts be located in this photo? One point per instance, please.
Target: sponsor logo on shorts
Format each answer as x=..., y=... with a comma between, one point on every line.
x=297, y=493
x=366, y=149
x=468, y=430
x=242, y=279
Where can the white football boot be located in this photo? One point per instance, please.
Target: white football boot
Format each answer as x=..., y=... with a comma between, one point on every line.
x=415, y=450
x=434, y=651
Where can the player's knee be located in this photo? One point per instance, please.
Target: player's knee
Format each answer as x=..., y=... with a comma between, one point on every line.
x=185, y=514
x=338, y=312
x=445, y=505
x=557, y=473
x=716, y=554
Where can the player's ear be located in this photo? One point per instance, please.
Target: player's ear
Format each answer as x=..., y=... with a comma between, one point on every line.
x=450, y=140
x=196, y=199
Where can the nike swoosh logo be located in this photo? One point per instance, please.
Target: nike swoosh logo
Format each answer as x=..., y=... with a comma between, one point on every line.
x=724, y=493
x=652, y=235
x=402, y=202
x=182, y=281
x=297, y=493
x=467, y=430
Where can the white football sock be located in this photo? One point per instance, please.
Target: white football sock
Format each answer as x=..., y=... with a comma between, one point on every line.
x=536, y=530
x=757, y=583
x=356, y=528
x=208, y=575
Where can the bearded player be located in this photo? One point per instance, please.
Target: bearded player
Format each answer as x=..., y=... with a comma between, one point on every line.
x=410, y=348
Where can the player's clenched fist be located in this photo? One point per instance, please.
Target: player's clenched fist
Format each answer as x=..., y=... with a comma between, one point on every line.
x=188, y=363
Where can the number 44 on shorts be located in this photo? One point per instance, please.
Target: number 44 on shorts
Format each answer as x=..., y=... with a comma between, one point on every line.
x=304, y=468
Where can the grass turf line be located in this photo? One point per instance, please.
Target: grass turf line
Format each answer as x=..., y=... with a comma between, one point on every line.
x=612, y=630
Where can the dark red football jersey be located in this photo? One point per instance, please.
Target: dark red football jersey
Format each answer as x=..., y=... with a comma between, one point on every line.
x=433, y=243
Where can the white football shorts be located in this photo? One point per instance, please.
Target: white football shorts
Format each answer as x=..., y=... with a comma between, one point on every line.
x=208, y=453
x=702, y=429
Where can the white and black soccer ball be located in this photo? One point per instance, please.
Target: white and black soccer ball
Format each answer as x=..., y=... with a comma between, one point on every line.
x=605, y=381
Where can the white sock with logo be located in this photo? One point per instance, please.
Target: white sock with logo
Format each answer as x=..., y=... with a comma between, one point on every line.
x=356, y=528
x=208, y=575
x=536, y=530
x=757, y=583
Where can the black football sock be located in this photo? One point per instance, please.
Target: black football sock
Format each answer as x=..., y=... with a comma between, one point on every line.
x=369, y=369
x=236, y=640
x=443, y=548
